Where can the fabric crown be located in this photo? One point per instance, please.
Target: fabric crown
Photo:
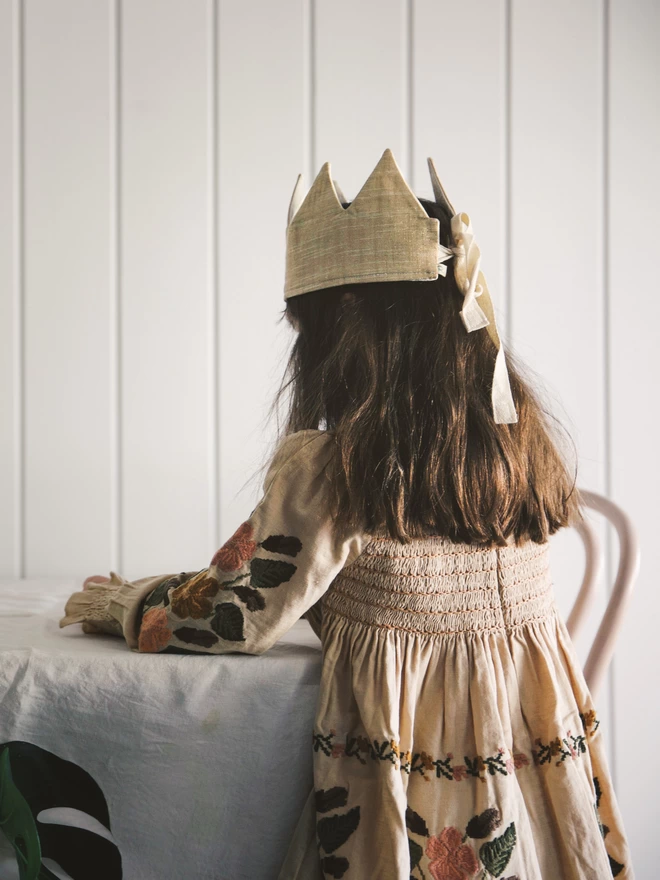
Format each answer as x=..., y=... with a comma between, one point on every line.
x=386, y=235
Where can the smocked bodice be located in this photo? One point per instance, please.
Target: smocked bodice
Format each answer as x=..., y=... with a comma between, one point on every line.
x=435, y=586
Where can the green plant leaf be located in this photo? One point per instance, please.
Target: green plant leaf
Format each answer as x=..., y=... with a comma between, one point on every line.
x=495, y=854
x=17, y=823
x=228, y=622
x=47, y=782
x=416, y=853
x=333, y=831
x=270, y=572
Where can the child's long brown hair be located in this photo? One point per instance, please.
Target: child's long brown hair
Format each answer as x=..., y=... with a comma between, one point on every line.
x=390, y=369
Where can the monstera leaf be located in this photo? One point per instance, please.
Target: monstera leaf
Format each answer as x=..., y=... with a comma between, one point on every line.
x=52, y=809
x=17, y=823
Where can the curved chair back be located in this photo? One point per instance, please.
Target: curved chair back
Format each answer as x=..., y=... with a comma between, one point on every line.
x=604, y=642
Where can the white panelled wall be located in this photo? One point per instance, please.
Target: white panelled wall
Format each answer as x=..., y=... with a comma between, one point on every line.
x=148, y=151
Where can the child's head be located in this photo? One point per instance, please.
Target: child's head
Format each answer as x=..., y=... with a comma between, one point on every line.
x=390, y=369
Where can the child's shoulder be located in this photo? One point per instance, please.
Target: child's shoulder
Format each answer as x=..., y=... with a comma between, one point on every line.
x=309, y=448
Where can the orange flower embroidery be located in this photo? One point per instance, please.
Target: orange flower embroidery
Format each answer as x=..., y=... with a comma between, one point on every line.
x=450, y=858
x=193, y=599
x=154, y=632
x=237, y=550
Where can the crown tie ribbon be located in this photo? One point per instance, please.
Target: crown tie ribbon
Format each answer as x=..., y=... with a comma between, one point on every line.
x=472, y=284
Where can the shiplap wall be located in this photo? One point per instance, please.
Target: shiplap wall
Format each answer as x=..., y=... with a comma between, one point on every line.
x=148, y=151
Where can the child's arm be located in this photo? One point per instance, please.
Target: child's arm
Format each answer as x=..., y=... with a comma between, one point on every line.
x=273, y=569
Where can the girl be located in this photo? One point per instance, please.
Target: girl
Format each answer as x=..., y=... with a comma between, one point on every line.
x=455, y=736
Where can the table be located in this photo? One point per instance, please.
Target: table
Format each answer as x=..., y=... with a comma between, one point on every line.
x=204, y=762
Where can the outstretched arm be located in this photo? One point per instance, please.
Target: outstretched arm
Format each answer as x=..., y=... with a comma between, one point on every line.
x=274, y=568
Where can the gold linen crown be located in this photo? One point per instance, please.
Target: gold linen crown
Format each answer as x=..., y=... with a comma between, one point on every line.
x=386, y=235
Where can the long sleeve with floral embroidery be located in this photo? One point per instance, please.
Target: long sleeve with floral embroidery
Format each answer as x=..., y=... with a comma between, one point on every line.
x=273, y=570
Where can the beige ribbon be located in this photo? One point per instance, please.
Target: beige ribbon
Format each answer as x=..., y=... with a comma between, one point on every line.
x=472, y=284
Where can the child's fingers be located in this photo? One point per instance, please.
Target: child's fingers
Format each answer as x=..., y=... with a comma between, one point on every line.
x=96, y=578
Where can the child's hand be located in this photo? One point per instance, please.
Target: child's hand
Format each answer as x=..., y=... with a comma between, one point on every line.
x=90, y=607
x=96, y=578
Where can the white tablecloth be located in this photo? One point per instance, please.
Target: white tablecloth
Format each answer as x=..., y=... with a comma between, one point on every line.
x=204, y=761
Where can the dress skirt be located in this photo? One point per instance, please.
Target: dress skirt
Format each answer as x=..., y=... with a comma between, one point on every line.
x=455, y=736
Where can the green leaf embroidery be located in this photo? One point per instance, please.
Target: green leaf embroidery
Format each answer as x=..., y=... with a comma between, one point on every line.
x=333, y=831
x=252, y=598
x=331, y=798
x=334, y=866
x=270, y=572
x=228, y=622
x=416, y=852
x=287, y=544
x=17, y=823
x=160, y=593
x=495, y=854
x=415, y=823
x=192, y=636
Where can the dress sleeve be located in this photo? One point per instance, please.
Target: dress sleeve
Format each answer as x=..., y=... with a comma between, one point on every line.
x=272, y=571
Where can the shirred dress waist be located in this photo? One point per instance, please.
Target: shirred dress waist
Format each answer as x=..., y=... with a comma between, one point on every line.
x=434, y=586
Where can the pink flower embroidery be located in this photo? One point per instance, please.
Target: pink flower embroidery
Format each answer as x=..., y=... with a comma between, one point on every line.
x=154, y=632
x=520, y=759
x=451, y=859
x=338, y=749
x=459, y=771
x=236, y=550
x=510, y=766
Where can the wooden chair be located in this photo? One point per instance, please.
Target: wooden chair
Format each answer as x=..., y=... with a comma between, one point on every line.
x=604, y=642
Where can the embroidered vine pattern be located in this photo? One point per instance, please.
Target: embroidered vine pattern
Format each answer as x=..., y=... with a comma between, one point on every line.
x=333, y=831
x=449, y=853
x=193, y=598
x=478, y=766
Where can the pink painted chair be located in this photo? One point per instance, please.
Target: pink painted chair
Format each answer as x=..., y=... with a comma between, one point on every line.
x=603, y=645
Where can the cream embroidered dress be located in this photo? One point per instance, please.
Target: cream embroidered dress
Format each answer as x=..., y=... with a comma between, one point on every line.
x=455, y=736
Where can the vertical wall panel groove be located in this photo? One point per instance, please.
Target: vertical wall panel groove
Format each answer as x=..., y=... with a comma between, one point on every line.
x=11, y=452
x=116, y=551
x=409, y=92
x=214, y=292
x=312, y=159
x=19, y=284
x=506, y=242
x=610, y=534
